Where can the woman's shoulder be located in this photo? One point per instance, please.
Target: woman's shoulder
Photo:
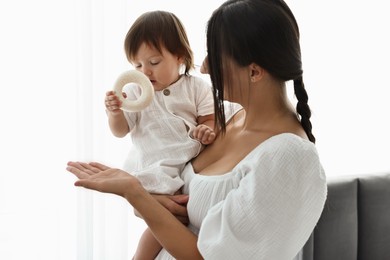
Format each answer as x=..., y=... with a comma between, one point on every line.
x=291, y=143
x=231, y=109
x=285, y=140
x=286, y=148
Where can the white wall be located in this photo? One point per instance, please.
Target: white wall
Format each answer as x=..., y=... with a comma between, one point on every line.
x=346, y=66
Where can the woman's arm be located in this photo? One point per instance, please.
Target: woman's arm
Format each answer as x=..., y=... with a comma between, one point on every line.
x=176, y=204
x=179, y=241
x=176, y=238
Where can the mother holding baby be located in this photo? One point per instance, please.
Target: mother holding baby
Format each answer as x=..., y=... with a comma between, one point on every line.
x=258, y=190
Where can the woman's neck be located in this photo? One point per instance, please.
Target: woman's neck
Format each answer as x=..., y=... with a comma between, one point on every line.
x=267, y=107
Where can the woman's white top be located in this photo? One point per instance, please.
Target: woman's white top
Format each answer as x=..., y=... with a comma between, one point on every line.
x=161, y=133
x=265, y=208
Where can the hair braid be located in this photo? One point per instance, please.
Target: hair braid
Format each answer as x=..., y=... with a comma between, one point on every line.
x=303, y=108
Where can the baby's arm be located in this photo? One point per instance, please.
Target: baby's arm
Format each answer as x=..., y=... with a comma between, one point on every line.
x=116, y=118
x=204, y=131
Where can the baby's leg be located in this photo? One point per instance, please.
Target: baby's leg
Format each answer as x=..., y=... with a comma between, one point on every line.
x=148, y=247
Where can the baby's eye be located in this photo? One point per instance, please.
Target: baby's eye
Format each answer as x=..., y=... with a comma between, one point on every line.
x=137, y=66
x=154, y=62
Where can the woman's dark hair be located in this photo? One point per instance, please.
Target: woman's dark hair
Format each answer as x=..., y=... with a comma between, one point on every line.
x=264, y=32
x=159, y=29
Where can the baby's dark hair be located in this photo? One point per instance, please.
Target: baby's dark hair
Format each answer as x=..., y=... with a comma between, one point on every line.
x=159, y=29
x=264, y=32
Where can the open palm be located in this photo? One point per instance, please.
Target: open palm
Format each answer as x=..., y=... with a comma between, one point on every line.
x=96, y=176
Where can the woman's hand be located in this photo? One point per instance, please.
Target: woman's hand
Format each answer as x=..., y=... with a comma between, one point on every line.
x=155, y=210
x=96, y=176
x=176, y=204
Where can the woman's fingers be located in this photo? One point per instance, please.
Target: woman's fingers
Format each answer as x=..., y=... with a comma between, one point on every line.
x=181, y=199
x=88, y=184
x=176, y=204
x=75, y=169
x=183, y=220
x=99, y=166
x=85, y=167
x=85, y=170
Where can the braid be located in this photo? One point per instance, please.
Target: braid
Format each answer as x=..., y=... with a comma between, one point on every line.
x=303, y=108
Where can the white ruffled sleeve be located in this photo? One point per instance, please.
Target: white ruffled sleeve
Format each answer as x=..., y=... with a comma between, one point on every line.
x=275, y=208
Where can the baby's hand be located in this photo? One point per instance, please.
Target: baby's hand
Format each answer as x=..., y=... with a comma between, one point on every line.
x=112, y=102
x=204, y=134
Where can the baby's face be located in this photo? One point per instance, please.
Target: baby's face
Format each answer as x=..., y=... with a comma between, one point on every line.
x=162, y=68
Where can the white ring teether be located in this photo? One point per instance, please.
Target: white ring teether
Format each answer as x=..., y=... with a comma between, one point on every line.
x=134, y=76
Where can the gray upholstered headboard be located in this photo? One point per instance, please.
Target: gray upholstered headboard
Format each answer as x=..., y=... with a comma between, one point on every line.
x=355, y=223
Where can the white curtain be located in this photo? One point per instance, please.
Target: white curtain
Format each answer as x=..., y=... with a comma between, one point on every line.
x=57, y=60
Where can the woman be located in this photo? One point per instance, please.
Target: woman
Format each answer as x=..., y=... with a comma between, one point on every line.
x=258, y=191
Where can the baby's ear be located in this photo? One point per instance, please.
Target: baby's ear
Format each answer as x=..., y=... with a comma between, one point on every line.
x=181, y=60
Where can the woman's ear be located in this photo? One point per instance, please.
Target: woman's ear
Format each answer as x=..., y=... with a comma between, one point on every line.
x=255, y=72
